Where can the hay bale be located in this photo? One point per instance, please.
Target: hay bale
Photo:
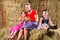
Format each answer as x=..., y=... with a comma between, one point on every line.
x=3, y=34
x=34, y=35
x=53, y=35
x=40, y=35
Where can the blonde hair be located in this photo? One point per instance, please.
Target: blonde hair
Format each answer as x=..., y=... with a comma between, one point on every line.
x=26, y=3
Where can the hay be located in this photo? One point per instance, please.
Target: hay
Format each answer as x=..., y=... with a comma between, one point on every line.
x=34, y=34
x=3, y=34
x=12, y=19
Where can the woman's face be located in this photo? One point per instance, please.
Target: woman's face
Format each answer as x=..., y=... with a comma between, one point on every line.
x=45, y=14
x=23, y=14
x=27, y=7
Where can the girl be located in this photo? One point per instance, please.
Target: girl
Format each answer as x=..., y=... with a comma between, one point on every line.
x=16, y=28
x=45, y=21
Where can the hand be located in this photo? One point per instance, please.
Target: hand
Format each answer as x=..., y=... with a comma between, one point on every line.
x=27, y=18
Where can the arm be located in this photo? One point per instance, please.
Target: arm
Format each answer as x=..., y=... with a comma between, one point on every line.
x=40, y=22
x=50, y=22
x=20, y=20
x=36, y=16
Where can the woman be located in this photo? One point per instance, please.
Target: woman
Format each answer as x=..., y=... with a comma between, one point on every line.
x=45, y=21
x=30, y=24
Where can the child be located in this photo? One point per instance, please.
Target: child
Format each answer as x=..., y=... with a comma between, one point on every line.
x=16, y=28
x=45, y=21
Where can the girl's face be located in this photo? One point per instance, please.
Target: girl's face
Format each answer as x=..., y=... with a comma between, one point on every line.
x=23, y=14
x=27, y=7
x=45, y=14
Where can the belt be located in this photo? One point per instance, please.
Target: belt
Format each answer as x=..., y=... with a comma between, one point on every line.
x=33, y=21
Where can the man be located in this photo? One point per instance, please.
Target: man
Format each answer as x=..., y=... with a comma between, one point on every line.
x=31, y=24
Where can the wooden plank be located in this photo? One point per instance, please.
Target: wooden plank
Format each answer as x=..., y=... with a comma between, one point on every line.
x=2, y=17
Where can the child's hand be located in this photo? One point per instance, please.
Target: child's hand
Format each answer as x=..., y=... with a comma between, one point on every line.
x=27, y=18
x=20, y=18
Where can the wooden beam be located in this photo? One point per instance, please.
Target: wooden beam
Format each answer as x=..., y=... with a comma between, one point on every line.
x=4, y=19
x=45, y=4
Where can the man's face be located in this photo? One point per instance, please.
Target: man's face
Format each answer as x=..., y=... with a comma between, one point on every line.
x=27, y=7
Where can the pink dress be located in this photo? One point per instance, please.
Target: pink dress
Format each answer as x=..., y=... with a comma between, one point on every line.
x=16, y=28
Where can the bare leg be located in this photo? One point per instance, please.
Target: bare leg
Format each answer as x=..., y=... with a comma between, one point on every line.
x=25, y=34
x=13, y=34
x=45, y=28
x=20, y=34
